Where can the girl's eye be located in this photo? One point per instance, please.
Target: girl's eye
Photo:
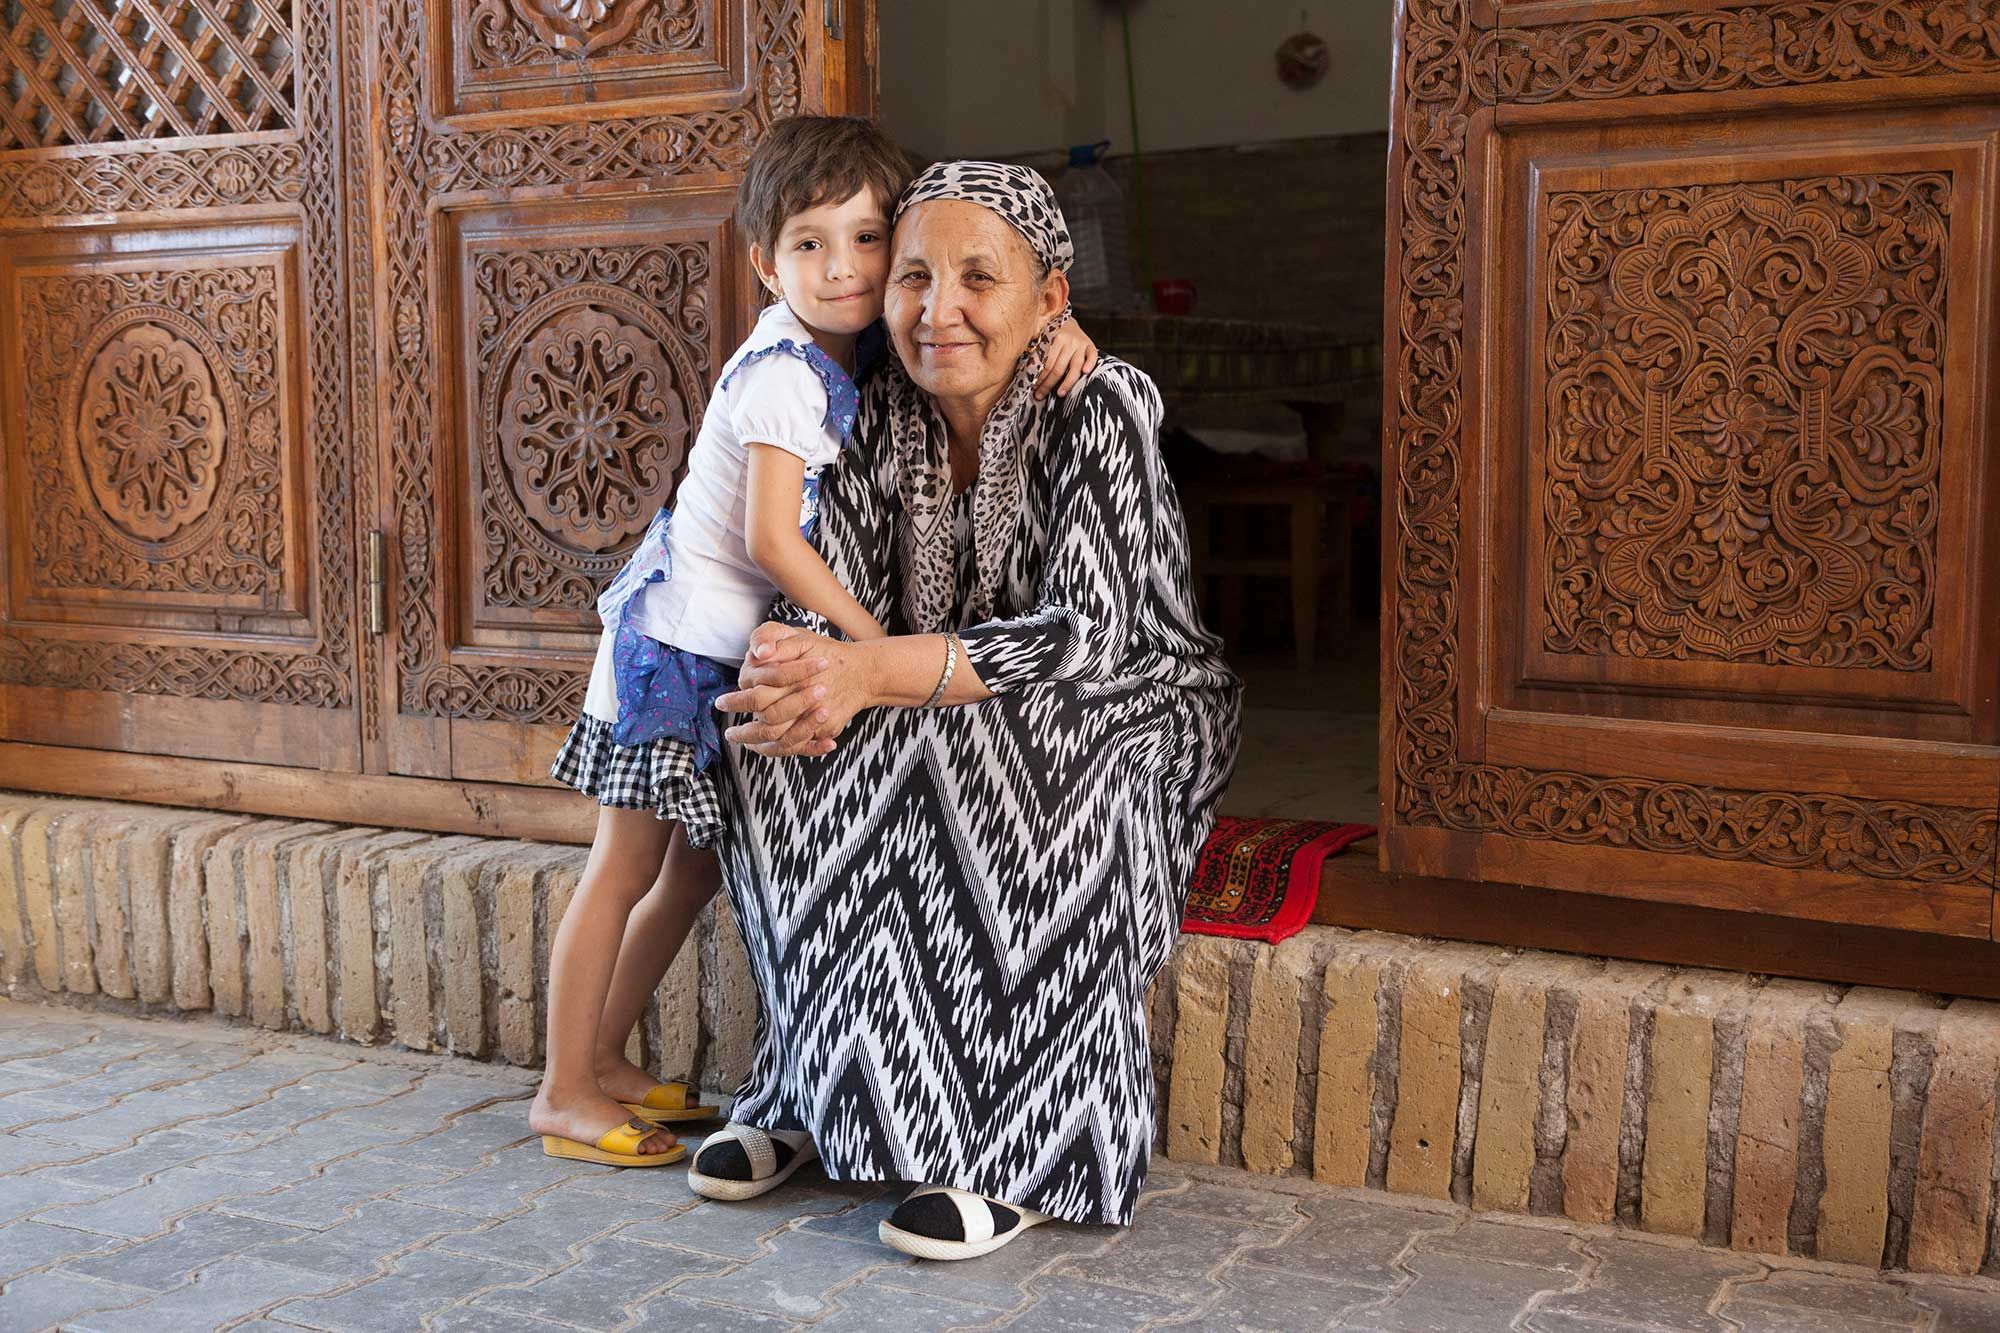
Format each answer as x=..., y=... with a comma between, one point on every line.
x=868, y=238
x=808, y=245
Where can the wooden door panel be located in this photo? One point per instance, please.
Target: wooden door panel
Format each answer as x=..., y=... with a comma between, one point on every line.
x=1691, y=362
x=510, y=56
x=559, y=279
x=174, y=440
x=583, y=348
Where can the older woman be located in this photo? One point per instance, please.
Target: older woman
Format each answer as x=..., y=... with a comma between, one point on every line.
x=953, y=911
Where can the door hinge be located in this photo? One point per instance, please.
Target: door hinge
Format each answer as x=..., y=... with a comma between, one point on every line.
x=833, y=15
x=378, y=582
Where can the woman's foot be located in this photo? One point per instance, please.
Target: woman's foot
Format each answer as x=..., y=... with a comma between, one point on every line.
x=587, y=1118
x=741, y=1161
x=939, y=1222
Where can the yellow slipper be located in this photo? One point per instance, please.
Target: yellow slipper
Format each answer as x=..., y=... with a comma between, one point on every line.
x=618, y=1147
x=668, y=1103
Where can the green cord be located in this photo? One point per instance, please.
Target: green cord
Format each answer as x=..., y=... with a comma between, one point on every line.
x=1138, y=175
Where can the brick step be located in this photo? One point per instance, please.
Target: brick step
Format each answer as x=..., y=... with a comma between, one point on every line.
x=1848, y=1124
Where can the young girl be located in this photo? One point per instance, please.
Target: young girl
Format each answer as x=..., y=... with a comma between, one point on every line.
x=815, y=202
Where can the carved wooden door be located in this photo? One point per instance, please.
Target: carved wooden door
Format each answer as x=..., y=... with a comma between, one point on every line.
x=1693, y=359
x=557, y=279
x=177, y=525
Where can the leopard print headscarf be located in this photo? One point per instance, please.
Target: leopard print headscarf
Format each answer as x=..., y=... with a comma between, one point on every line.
x=1012, y=431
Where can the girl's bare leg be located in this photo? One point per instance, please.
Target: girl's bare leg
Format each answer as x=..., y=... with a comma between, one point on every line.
x=654, y=935
x=625, y=858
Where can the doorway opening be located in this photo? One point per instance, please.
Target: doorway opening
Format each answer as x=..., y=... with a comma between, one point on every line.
x=1237, y=259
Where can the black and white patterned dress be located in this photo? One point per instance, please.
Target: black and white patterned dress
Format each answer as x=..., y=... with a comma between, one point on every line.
x=953, y=919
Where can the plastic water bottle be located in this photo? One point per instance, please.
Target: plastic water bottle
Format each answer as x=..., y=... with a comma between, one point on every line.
x=1094, y=208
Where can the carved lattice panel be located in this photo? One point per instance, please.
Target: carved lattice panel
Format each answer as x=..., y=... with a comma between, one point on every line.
x=101, y=71
x=179, y=452
x=1688, y=595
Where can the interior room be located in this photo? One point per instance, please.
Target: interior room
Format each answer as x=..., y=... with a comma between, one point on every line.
x=1230, y=244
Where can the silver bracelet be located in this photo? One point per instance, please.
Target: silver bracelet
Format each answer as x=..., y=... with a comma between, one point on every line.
x=950, y=665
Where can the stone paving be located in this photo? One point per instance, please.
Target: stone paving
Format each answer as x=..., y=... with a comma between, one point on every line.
x=173, y=1174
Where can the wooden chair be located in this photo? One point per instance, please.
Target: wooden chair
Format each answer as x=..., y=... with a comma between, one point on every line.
x=1318, y=563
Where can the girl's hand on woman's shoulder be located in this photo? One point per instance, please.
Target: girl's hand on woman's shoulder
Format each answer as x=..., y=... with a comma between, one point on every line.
x=1072, y=356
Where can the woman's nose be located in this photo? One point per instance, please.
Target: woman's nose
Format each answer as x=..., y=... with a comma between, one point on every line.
x=942, y=304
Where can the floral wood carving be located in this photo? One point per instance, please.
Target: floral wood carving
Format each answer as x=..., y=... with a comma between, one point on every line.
x=356, y=88
x=307, y=679
x=153, y=435
x=592, y=363
x=1433, y=786
x=588, y=426
x=143, y=182
x=1793, y=43
x=1430, y=245
x=149, y=435
x=420, y=161
x=1796, y=831
x=1744, y=419
x=504, y=34
x=599, y=150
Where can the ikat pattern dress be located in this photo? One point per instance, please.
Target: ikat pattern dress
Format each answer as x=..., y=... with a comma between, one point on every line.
x=953, y=919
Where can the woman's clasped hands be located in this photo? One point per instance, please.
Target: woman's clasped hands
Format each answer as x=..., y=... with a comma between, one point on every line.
x=801, y=690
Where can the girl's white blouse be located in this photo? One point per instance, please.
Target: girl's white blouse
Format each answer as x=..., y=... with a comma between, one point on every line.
x=714, y=594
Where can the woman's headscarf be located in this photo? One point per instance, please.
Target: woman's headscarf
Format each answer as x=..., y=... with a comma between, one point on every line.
x=1012, y=432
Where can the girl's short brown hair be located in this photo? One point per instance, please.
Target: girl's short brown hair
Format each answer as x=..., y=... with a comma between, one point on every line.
x=811, y=160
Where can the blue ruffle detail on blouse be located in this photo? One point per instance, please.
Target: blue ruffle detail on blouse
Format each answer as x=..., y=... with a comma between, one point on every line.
x=843, y=400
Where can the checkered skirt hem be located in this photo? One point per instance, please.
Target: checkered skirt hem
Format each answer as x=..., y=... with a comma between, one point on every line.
x=659, y=775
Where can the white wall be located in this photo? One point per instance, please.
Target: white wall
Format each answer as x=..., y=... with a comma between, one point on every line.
x=1016, y=78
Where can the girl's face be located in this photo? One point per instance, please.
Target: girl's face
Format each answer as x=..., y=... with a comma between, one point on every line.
x=965, y=298
x=830, y=263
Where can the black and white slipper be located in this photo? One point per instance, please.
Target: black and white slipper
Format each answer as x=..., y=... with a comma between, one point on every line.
x=939, y=1222
x=741, y=1161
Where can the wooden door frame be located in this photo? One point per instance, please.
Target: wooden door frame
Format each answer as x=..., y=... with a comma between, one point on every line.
x=285, y=675
x=849, y=82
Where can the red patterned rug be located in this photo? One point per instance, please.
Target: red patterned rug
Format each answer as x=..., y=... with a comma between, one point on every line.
x=1258, y=879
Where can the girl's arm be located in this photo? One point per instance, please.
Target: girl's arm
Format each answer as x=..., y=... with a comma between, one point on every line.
x=771, y=532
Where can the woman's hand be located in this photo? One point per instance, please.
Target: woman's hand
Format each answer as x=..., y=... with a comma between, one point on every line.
x=802, y=689
x=1072, y=355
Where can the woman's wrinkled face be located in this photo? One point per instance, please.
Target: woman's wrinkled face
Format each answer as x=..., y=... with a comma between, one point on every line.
x=966, y=296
